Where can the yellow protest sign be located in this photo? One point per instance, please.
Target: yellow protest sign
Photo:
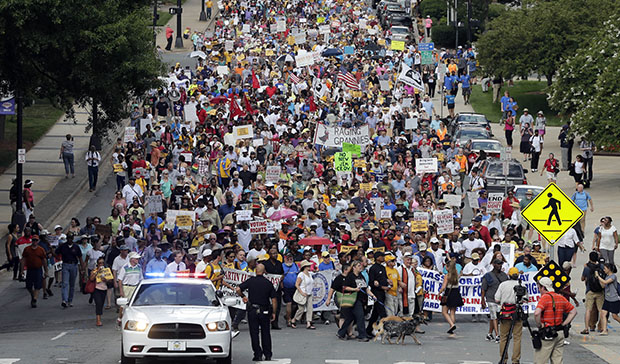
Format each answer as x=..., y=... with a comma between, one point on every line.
x=359, y=163
x=419, y=225
x=268, y=52
x=347, y=248
x=381, y=42
x=299, y=194
x=343, y=161
x=320, y=20
x=398, y=45
x=552, y=213
x=184, y=221
x=366, y=186
x=379, y=249
x=118, y=167
x=240, y=57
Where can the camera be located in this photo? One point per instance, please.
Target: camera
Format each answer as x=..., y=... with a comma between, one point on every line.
x=520, y=291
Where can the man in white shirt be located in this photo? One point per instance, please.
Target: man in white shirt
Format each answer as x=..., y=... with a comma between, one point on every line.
x=407, y=284
x=132, y=190
x=470, y=244
x=537, y=144
x=474, y=268
x=438, y=253
x=177, y=266
x=566, y=246
x=92, y=161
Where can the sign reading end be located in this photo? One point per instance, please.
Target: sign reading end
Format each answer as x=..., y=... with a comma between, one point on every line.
x=552, y=213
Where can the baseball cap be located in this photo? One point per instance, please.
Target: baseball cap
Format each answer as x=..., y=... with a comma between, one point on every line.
x=134, y=255
x=57, y=227
x=475, y=256
x=389, y=257
x=124, y=247
x=325, y=254
x=422, y=247
x=546, y=282
x=513, y=271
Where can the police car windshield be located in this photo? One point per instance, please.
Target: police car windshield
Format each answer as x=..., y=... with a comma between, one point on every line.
x=175, y=294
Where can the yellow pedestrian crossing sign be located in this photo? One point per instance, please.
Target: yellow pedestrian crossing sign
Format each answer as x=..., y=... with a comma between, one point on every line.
x=552, y=213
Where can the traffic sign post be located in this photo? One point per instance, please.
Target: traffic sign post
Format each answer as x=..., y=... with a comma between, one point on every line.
x=552, y=213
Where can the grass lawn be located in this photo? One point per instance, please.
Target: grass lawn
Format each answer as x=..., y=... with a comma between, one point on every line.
x=164, y=17
x=38, y=119
x=528, y=94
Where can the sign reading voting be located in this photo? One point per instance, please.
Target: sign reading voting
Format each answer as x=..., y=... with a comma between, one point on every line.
x=552, y=213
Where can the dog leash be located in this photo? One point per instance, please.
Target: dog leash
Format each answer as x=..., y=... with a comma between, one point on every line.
x=381, y=303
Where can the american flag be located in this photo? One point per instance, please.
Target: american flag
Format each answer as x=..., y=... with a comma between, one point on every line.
x=348, y=79
x=294, y=78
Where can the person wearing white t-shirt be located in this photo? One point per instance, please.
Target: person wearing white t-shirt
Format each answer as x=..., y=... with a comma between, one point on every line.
x=474, y=268
x=606, y=240
x=440, y=254
x=536, y=141
x=470, y=244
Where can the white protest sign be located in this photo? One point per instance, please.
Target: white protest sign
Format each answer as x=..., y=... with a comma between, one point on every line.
x=272, y=174
x=494, y=202
x=472, y=197
x=234, y=277
x=322, y=281
x=258, y=227
x=246, y=28
x=452, y=200
x=304, y=59
x=386, y=214
x=300, y=38
x=281, y=25
x=426, y=165
x=130, y=134
x=444, y=220
x=335, y=136
x=190, y=111
x=406, y=102
x=153, y=204
x=244, y=215
x=222, y=70
x=257, y=142
x=384, y=85
x=243, y=132
x=324, y=29
x=229, y=45
x=171, y=217
x=411, y=123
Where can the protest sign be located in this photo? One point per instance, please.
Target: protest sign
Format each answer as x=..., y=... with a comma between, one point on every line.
x=258, y=227
x=221, y=70
x=117, y=168
x=257, y=142
x=347, y=248
x=103, y=230
x=452, y=200
x=420, y=221
x=272, y=174
x=187, y=156
x=153, y=204
x=352, y=148
x=171, y=217
x=130, y=134
x=243, y=132
x=426, y=165
x=411, y=123
x=343, y=161
x=322, y=281
x=300, y=38
x=472, y=197
x=359, y=163
x=335, y=136
x=234, y=277
x=246, y=28
x=366, y=186
x=349, y=50
x=229, y=45
x=244, y=215
x=398, y=45
x=144, y=122
x=384, y=85
x=184, y=221
x=407, y=102
x=444, y=220
x=304, y=59
x=324, y=29
x=470, y=289
x=494, y=203
x=386, y=214
x=281, y=25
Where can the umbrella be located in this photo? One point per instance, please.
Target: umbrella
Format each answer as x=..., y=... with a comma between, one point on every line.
x=283, y=214
x=219, y=99
x=372, y=47
x=315, y=240
x=198, y=54
x=285, y=58
x=331, y=52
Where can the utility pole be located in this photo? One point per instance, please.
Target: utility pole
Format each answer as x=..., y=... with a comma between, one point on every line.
x=155, y=19
x=203, y=15
x=19, y=217
x=456, y=23
x=179, y=40
x=469, y=11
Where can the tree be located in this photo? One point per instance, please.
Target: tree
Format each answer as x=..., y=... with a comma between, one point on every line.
x=538, y=35
x=93, y=53
x=587, y=88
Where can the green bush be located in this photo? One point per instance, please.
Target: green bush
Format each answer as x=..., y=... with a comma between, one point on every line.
x=435, y=8
x=444, y=35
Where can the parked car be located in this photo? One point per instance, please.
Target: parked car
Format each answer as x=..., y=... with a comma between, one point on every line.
x=399, y=32
x=471, y=119
x=491, y=147
x=176, y=318
x=521, y=190
x=497, y=181
x=466, y=133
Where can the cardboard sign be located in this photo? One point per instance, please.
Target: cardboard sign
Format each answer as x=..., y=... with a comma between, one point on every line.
x=472, y=198
x=183, y=221
x=244, y=215
x=343, y=161
x=494, y=202
x=222, y=70
x=426, y=165
x=272, y=174
x=130, y=134
x=444, y=220
x=419, y=222
x=153, y=204
x=386, y=214
x=398, y=45
x=406, y=102
x=452, y=200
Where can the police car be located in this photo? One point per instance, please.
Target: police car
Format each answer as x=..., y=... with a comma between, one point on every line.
x=176, y=318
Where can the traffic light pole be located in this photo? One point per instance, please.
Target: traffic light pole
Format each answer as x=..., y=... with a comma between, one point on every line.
x=179, y=40
x=19, y=218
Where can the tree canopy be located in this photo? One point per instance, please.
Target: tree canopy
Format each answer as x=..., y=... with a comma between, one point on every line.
x=587, y=87
x=537, y=36
x=95, y=53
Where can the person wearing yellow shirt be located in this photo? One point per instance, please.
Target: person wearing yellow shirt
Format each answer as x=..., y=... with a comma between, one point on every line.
x=213, y=270
x=209, y=4
x=391, y=297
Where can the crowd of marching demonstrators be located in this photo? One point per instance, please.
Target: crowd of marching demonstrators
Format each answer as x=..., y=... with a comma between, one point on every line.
x=240, y=160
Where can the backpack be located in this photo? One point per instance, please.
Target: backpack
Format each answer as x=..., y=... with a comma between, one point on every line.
x=593, y=282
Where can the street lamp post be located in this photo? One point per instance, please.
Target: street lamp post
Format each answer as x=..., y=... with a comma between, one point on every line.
x=179, y=40
x=155, y=19
x=203, y=15
x=19, y=217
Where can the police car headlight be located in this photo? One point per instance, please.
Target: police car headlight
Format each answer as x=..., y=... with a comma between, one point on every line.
x=217, y=326
x=136, y=325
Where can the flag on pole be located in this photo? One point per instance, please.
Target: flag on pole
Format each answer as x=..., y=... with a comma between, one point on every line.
x=348, y=79
x=411, y=78
x=311, y=103
x=235, y=110
x=255, y=82
x=247, y=105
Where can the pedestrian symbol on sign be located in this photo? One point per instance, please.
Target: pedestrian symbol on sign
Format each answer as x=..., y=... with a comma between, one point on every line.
x=555, y=205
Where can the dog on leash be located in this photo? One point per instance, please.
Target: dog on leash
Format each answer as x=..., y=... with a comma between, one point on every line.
x=379, y=327
x=405, y=328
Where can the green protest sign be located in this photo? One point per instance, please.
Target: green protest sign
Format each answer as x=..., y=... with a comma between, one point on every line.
x=352, y=148
x=343, y=161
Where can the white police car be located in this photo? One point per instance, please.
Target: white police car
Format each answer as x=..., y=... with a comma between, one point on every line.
x=176, y=318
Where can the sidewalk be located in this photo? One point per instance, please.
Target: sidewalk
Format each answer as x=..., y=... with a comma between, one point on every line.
x=189, y=18
x=44, y=167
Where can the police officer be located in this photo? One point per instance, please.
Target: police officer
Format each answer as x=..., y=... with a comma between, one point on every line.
x=260, y=312
x=506, y=298
x=378, y=282
x=549, y=316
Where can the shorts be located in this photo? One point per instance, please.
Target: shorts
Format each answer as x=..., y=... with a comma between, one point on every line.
x=612, y=306
x=466, y=91
x=128, y=291
x=450, y=106
x=287, y=294
x=551, y=176
x=594, y=299
x=493, y=310
x=34, y=278
x=541, y=132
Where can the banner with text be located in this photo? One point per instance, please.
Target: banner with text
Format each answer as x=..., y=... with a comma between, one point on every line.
x=235, y=277
x=335, y=136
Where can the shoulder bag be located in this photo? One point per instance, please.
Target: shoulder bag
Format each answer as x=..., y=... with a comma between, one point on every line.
x=299, y=298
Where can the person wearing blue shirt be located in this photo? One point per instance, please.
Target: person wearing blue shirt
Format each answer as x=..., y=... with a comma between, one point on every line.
x=156, y=267
x=504, y=101
x=447, y=83
x=526, y=265
x=465, y=85
x=450, y=99
x=582, y=199
x=326, y=263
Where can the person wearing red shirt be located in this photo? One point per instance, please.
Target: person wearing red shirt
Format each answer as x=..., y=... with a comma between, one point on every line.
x=506, y=208
x=552, y=167
x=482, y=230
x=202, y=116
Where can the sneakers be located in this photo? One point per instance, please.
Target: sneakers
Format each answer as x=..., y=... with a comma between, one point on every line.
x=64, y=304
x=489, y=337
x=326, y=322
x=497, y=339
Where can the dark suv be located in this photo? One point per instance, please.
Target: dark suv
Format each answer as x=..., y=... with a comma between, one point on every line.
x=497, y=181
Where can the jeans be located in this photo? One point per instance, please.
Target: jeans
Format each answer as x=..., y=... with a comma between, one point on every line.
x=120, y=182
x=69, y=275
x=93, y=172
x=355, y=313
x=68, y=160
x=208, y=13
x=565, y=254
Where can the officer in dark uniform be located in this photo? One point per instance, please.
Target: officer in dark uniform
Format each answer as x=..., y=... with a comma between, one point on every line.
x=378, y=283
x=260, y=311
